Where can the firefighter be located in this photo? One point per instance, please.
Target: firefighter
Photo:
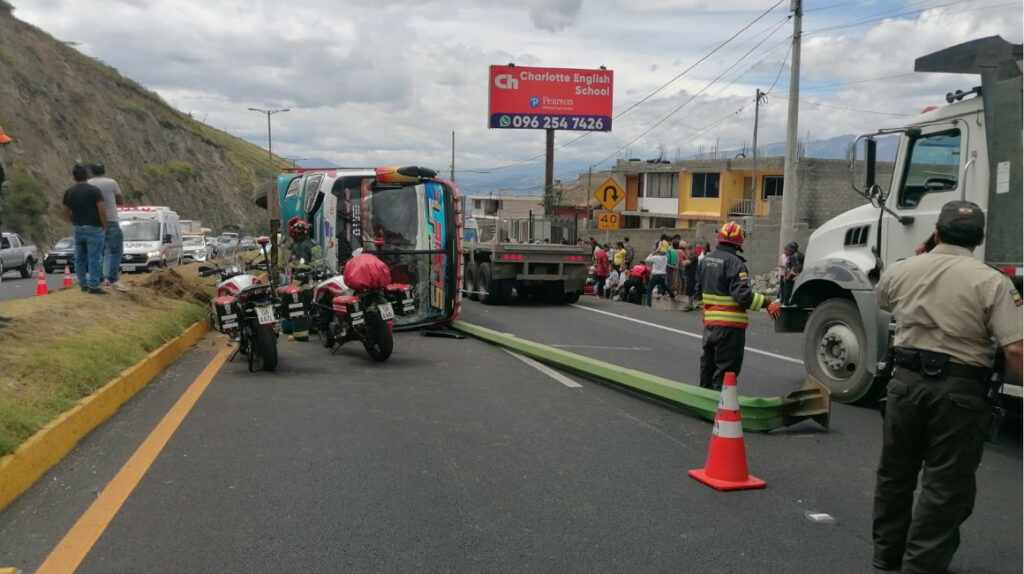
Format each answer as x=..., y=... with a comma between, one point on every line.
x=727, y=296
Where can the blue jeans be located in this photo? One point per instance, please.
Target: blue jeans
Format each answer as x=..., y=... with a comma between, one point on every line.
x=113, y=249
x=655, y=282
x=89, y=255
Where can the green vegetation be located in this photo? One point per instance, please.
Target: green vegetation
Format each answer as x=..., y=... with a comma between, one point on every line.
x=50, y=376
x=24, y=203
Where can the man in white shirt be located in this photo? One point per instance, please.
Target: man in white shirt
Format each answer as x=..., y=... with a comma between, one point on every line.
x=659, y=266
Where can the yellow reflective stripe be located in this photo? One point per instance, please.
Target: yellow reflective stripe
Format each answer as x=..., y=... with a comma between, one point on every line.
x=719, y=299
x=725, y=316
x=758, y=301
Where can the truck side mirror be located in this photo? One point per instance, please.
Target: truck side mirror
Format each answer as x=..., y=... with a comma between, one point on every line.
x=167, y=238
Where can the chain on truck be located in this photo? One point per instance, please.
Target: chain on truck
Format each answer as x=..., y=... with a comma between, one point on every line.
x=969, y=149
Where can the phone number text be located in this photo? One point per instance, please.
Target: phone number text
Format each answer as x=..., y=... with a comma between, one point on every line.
x=551, y=122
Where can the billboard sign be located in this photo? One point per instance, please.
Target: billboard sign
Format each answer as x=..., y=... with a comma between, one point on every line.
x=550, y=98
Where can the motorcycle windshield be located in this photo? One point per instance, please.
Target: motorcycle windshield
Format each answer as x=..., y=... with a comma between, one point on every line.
x=410, y=228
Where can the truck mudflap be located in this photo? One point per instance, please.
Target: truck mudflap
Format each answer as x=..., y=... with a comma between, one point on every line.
x=812, y=402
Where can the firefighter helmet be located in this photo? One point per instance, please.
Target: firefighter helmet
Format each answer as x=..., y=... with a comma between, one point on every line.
x=731, y=233
x=297, y=228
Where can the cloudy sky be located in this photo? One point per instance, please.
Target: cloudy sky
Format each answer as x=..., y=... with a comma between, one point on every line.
x=386, y=82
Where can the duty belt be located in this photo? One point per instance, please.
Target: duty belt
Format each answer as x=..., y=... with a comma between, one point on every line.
x=933, y=364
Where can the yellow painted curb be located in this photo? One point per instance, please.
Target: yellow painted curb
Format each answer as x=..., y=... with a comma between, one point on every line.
x=20, y=470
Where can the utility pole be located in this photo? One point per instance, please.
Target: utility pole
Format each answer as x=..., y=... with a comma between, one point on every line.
x=273, y=202
x=790, y=185
x=753, y=171
x=549, y=172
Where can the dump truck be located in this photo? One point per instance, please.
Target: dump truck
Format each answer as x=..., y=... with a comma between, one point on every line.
x=969, y=149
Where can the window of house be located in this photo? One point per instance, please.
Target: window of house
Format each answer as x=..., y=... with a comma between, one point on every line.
x=771, y=186
x=662, y=185
x=705, y=185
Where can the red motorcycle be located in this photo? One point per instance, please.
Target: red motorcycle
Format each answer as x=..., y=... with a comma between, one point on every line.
x=359, y=305
x=245, y=309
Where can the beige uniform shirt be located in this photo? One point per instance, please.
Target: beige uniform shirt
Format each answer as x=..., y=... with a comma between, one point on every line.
x=947, y=301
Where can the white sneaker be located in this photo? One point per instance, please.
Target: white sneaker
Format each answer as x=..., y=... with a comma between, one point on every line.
x=118, y=286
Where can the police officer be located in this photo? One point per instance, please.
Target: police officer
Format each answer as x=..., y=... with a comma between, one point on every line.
x=726, y=296
x=949, y=308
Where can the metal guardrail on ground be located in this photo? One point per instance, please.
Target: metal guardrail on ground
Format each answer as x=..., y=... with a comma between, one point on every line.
x=758, y=414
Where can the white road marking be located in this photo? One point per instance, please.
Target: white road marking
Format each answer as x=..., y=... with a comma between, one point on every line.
x=688, y=334
x=544, y=369
x=601, y=348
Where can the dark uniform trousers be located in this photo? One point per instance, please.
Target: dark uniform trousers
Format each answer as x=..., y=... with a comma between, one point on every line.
x=938, y=423
x=723, y=353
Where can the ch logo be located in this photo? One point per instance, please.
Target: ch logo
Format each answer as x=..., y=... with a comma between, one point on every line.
x=506, y=82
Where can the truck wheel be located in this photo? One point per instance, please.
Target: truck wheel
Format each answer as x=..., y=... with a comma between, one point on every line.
x=571, y=297
x=28, y=268
x=554, y=292
x=835, y=351
x=469, y=283
x=494, y=291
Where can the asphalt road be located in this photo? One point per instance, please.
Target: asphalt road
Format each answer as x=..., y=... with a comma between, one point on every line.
x=456, y=456
x=12, y=286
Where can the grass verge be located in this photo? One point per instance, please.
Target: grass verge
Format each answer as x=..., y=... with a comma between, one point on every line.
x=57, y=349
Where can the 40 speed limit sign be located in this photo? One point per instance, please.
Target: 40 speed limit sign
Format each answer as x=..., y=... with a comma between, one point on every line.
x=609, y=220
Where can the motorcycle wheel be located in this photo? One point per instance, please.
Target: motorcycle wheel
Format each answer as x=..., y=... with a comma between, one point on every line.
x=378, y=341
x=323, y=332
x=261, y=343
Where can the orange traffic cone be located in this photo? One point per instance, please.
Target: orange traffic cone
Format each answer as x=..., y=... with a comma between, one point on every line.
x=41, y=288
x=726, y=465
x=67, y=278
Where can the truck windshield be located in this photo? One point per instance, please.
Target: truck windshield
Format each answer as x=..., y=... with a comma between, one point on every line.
x=141, y=230
x=193, y=241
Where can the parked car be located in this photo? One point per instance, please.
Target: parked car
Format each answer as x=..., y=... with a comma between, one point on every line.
x=62, y=253
x=16, y=253
x=194, y=248
x=212, y=247
x=247, y=244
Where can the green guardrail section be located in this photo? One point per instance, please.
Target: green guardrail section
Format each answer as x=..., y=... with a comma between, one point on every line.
x=758, y=414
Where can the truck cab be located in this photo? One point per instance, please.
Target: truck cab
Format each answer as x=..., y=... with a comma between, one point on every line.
x=969, y=150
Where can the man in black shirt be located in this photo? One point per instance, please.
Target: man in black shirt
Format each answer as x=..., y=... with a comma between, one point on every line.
x=83, y=207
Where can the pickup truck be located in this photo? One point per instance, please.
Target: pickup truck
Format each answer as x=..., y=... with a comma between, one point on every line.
x=16, y=253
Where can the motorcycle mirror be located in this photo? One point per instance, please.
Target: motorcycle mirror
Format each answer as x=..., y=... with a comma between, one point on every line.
x=263, y=240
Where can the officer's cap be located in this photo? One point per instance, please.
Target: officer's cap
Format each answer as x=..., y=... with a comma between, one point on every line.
x=961, y=214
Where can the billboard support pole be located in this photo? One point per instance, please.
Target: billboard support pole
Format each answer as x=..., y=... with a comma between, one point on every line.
x=549, y=172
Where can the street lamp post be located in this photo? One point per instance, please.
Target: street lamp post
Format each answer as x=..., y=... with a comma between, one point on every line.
x=273, y=204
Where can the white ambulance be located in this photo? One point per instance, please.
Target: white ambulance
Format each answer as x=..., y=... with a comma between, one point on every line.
x=152, y=237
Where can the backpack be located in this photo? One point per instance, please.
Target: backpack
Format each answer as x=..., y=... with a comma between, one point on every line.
x=673, y=258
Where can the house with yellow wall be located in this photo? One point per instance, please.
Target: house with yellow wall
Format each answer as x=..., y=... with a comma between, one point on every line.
x=679, y=194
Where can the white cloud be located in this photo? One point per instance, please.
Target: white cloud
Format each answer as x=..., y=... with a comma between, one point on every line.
x=389, y=81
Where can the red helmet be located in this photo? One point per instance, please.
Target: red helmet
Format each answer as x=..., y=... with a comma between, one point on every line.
x=731, y=233
x=297, y=227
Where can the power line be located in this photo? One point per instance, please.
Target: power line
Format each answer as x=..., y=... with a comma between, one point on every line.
x=865, y=81
x=690, y=99
x=652, y=94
